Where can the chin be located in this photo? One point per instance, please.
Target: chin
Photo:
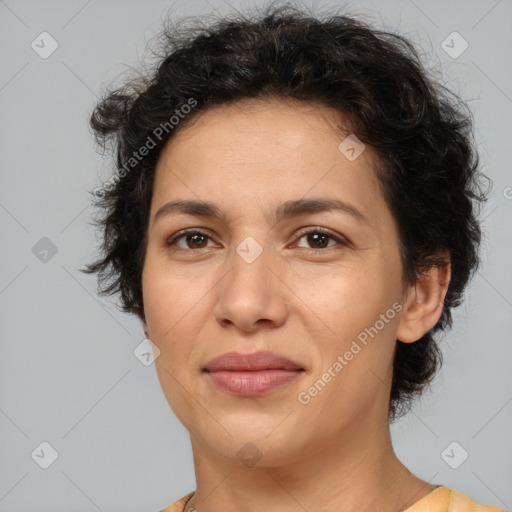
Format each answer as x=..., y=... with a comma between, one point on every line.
x=253, y=442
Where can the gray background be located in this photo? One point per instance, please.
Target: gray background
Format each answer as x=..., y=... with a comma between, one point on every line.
x=68, y=373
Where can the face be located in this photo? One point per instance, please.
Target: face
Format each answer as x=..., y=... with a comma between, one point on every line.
x=271, y=269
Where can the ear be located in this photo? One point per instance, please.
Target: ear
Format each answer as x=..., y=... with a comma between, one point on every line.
x=424, y=303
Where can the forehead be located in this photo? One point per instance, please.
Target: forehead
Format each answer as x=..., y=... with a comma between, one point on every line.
x=255, y=153
x=280, y=124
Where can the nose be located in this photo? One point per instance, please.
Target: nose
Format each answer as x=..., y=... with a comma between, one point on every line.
x=251, y=296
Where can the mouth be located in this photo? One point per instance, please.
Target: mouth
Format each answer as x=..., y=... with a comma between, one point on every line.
x=251, y=374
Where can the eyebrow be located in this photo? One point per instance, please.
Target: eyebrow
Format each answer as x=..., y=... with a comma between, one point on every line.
x=287, y=210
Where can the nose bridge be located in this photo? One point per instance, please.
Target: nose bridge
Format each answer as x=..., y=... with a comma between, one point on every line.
x=250, y=292
x=249, y=262
x=250, y=250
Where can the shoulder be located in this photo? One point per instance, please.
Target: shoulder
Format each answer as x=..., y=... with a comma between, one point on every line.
x=461, y=502
x=177, y=506
x=443, y=499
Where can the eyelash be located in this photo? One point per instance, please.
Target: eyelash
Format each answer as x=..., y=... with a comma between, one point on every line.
x=195, y=231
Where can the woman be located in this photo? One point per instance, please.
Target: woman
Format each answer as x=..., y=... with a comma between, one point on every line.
x=292, y=219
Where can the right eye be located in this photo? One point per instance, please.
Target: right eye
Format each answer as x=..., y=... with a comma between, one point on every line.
x=194, y=239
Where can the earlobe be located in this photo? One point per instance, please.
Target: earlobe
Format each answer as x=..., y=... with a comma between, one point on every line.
x=424, y=303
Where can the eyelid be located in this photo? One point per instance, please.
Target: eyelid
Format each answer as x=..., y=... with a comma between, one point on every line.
x=189, y=231
x=340, y=239
x=319, y=229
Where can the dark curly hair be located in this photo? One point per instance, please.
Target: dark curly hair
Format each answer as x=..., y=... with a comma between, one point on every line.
x=420, y=131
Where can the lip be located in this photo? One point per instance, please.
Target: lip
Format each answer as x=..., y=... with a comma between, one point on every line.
x=251, y=374
x=263, y=360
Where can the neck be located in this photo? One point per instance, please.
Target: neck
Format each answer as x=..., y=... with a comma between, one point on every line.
x=353, y=471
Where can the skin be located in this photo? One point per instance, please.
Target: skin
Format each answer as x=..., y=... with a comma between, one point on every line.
x=335, y=452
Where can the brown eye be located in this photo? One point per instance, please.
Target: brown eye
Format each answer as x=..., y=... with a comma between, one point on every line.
x=319, y=238
x=193, y=240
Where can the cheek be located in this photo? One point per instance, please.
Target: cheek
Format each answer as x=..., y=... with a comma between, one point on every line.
x=177, y=306
x=169, y=302
x=344, y=298
x=348, y=303
x=172, y=300
x=354, y=347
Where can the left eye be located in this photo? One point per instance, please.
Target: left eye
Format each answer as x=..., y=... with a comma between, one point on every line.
x=318, y=238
